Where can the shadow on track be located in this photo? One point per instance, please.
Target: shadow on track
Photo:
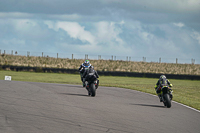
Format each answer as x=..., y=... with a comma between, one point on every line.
x=157, y=106
x=73, y=94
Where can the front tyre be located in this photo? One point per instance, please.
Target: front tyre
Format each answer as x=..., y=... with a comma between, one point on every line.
x=167, y=100
x=92, y=90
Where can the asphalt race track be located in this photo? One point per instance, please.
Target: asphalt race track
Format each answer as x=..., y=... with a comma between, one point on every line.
x=27, y=107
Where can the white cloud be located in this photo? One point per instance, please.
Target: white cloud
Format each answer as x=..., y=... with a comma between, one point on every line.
x=76, y=31
x=146, y=36
x=122, y=22
x=179, y=24
x=24, y=24
x=50, y=24
x=105, y=34
x=64, y=16
x=108, y=32
x=196, y=35
x=19, y=15
x=102, y=33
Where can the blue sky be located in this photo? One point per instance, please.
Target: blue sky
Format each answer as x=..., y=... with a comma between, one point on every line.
x=147, y=28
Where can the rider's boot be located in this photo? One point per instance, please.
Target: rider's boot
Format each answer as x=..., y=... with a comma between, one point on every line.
x=83, y=82
x=89, y=93
x=171, y=96
x=87, y=88
x=161, y=100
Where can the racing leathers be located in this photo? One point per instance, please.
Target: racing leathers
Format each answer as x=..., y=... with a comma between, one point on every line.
x=162, y=81
x=90, y=74
x=82, y=68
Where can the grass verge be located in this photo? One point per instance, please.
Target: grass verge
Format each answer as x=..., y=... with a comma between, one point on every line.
x=185, y=91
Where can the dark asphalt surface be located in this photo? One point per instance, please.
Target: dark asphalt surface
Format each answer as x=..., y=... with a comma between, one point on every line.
x=27, y=107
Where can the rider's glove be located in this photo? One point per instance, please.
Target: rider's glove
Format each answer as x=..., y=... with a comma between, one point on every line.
x=156, y=87
x=170, y=85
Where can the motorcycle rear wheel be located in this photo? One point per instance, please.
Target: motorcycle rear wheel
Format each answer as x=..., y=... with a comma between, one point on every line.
x=167, y=100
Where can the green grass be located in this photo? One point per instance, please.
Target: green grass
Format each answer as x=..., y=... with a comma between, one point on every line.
x=185, y=91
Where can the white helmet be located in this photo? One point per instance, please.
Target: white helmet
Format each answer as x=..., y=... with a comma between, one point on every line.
x=162, y=76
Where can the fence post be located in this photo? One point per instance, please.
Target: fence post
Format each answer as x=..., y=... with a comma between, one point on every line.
x=86, y=56
x=159, y=60
x=115, y=57
x=57, y=55
x=99, y=57
x=0, y=51
x=28, y=53
x=193, y=61
x=176, y=60
x=4, y=52
x=12, y=52
x=42, y=54
x=144, y=59
x=72, y=56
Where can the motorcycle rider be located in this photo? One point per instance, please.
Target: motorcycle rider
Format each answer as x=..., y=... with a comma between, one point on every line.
x=82, y=68
x=90, y=74
x=162, y=80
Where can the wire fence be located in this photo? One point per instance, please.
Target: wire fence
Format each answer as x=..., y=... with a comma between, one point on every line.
x=102, y=57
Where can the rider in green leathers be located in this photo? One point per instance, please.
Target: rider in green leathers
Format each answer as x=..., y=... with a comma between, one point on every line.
x=162, y=80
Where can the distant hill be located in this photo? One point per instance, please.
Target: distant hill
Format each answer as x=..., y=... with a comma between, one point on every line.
x=102, y=65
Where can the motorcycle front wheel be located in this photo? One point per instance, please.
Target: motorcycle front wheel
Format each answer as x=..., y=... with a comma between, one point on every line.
x=92, y=90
